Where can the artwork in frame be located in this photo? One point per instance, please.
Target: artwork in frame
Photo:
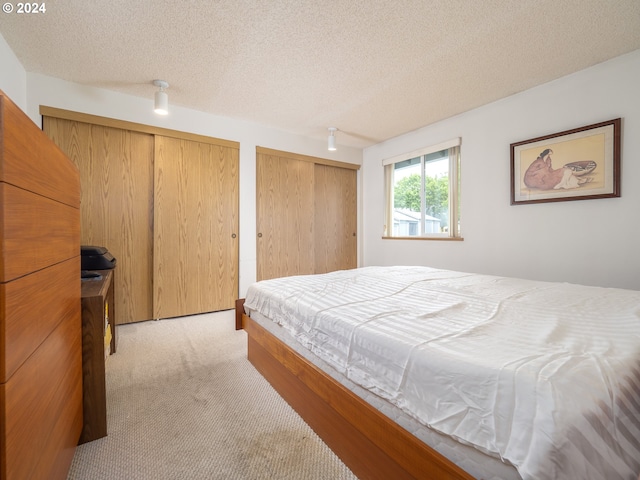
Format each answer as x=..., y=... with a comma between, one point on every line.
x=578, y=164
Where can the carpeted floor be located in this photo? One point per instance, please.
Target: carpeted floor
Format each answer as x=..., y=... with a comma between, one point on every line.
x=184, y=403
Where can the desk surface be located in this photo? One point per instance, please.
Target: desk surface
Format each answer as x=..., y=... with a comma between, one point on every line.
x=96, y=286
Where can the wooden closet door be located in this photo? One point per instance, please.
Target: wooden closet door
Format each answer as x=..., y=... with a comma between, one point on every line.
x=335, y=241
x=284, y=192
x=195, y=227
x=116, y=178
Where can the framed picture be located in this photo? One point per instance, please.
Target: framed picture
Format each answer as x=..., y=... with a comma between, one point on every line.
x=578, y=164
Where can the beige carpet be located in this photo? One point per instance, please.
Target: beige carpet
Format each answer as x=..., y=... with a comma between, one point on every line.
x=184, y=403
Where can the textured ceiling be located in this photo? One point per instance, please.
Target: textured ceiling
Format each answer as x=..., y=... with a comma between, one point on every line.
x=373, y=69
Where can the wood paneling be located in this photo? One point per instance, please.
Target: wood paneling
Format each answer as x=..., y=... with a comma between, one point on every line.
x=43, y=405
x=33, y=165
x=335, y=219
x=195, y=227
x=177, y=245
x=36, y=232
x=31, y=307
x=40, y=357
x=306, y=215
x=116, y=174
x=306, y=158
x=132, y=126
x=284, y=192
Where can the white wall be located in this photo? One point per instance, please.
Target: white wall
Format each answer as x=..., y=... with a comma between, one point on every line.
x=594, y=242
x=13, y=77
x=53, y=92
x=587, y=241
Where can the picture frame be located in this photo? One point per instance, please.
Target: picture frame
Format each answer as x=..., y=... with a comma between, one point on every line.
x=578, y=164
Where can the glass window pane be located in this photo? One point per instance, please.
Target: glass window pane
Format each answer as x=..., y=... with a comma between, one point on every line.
x=436, y=192
x=406, y=198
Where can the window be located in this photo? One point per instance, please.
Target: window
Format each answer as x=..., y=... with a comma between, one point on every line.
x=422, y=192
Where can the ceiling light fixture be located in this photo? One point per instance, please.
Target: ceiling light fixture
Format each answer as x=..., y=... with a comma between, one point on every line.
x=332, y=139
x=161, y=99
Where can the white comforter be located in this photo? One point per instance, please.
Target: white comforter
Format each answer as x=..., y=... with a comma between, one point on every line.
x=543, y=375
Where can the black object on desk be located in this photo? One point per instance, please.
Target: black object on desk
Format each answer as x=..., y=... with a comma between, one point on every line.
x=96, y=258
x=89, y=275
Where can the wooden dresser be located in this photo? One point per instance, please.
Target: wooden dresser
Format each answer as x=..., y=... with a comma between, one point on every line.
x=40, y=325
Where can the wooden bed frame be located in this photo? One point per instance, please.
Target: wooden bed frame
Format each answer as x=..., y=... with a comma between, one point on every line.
x=368, y=442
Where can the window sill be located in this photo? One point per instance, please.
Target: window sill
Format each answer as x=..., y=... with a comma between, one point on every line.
x=446, y=239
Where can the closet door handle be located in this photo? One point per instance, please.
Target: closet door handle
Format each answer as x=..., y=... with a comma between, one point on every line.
x=233, y=235
x=259, y=235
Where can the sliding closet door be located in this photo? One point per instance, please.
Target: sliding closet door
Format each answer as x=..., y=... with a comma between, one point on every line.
x=335, y=219
x=284, y=193
x=116, y=178
x=306, y=214
x=195, y=259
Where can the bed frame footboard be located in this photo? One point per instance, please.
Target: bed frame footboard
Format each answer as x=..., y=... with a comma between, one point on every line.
x=369, y=443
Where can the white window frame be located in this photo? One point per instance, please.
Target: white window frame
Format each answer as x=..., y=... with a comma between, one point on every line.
x=454, y=189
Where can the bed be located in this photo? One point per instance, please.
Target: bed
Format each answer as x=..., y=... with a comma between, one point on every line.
x=416, y=372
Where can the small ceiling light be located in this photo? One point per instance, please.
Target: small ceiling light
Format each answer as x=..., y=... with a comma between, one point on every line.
x=332, y=139
x=161, y=103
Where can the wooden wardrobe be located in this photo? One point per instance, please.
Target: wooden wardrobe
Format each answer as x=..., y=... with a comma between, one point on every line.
x=306, y=214
x=164, y=203
x=40, y=326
